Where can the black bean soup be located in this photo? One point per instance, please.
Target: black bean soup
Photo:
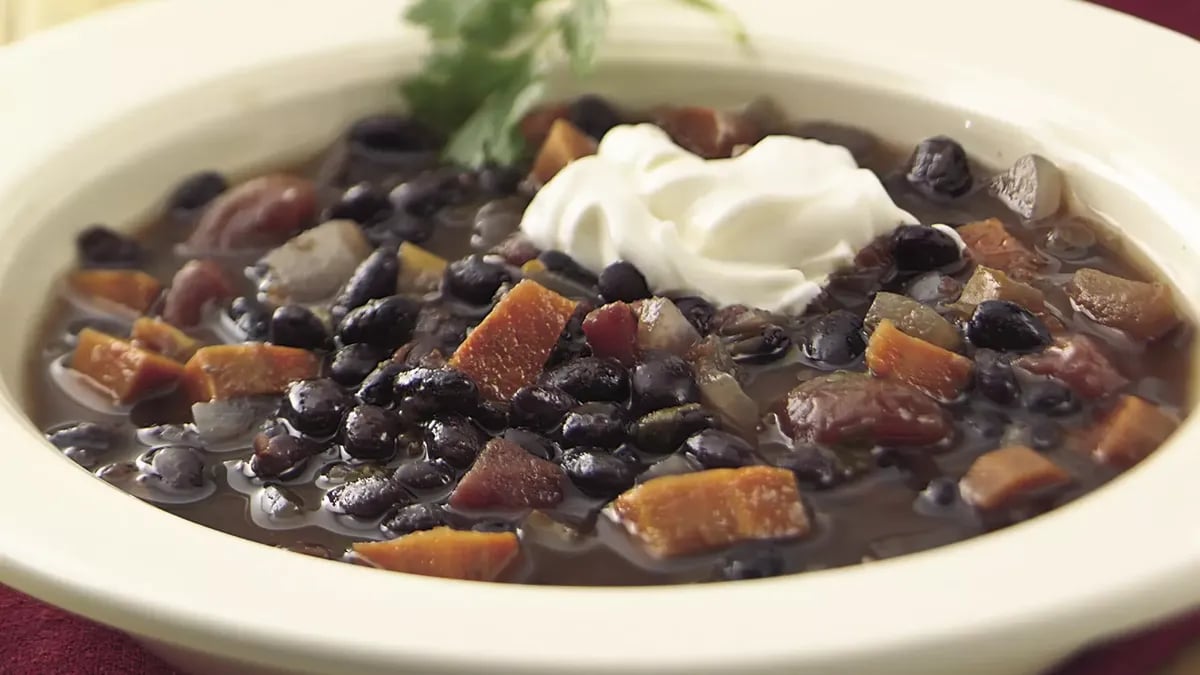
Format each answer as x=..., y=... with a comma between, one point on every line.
x=287, y=359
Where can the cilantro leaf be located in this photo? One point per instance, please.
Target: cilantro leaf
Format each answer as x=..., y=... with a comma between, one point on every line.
x=492, y=132
x=582, y=29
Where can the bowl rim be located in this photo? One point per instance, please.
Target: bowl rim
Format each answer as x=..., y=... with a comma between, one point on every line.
x=1070, y=566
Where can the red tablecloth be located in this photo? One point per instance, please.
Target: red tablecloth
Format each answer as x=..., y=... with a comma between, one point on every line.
x=36, y=639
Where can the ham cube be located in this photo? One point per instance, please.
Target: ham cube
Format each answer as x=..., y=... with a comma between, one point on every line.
x=505, y=476
x=443, y=552
x=857, y=409
x=691, y=513
x=1078, y=362
x=119, y=368
x=197, y=284
x=710, y=133
x=938, y=372
x=119, y=290
x=612, y=331
x=223, y=372
x=509, y=348
x=1003, y=477
x=1131, y=431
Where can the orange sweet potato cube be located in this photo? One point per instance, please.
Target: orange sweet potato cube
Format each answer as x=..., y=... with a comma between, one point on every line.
x=129, y=289
x=1000, y=477
x=121, y=369
x=564, y=144
x=935, y=371
x=992, y=245
x=229, y=371
x=508, y=349
x=691, y=513
x=443, y=552
x=161, y=337
x=1131, y=431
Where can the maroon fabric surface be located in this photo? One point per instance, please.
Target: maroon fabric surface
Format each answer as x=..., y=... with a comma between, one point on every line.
x=36, y=639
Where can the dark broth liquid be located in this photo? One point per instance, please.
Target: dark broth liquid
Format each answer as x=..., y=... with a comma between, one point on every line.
x=880, y=514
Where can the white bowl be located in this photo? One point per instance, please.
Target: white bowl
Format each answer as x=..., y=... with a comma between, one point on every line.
x=98, y=119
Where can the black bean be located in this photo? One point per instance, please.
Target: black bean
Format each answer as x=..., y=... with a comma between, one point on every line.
x=662, y=382
x=663, y=431
x=297, y=326
x=363, y=203
x=315, y=407
x=832, y=340
x=415, y=518
x=598, y=473
x=280, y=455
x=994, y=377
x=441, y=390
x=453, y=440
x=427, y=193
x=769, y=344
x=1051, y=398
x=557, y=261
x=1045, y=435
x=351, y=364
x=921, y=248
x=540, y=407
x=698, y=311
x=424, y=475
x=591, y=379
x=251, y=318
x=501, y=180
x=374, y=278
x=368, y=497
x=378, y=387
x=593, y=115
x=196, y=191
x=1006, y=326
x=719, y=450
x=938, y=168
x=622, y=282
x=815, y=469
x=594, y=424
x=370, y=432
x=756, y=565
x=93, y=436
x=176, y=467
x=989, y=423
x=392, y=134
x=100, y=246
x=386, y=323
x=534, y=443
x=474, y=280
x=942, y=491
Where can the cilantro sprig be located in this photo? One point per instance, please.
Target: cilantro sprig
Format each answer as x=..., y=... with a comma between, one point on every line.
x=489, y=65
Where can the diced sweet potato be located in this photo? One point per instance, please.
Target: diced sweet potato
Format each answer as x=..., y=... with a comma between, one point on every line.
x=938, y=372
x=992, y=284
x=163, y=338
x=1079, y=363
x=443, y=552
x=857, y=409
x=223, y=372
x=121, y=369
x=691, y=513
x=195, y=285
x=563, y=145
x=508, y=349
x=128, y=289
x=612, y=331
x=1002, y=477
x=1131, y=431
x=913, y=319
x=992, y=245
x=420, y=270
x=505, y=476
x=1143, y=310
x=710, y=133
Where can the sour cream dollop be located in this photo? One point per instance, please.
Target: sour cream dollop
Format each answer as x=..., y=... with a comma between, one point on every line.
x=765, y=228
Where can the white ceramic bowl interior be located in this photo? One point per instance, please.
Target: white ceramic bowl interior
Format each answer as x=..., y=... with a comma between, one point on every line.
x=98, y=120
